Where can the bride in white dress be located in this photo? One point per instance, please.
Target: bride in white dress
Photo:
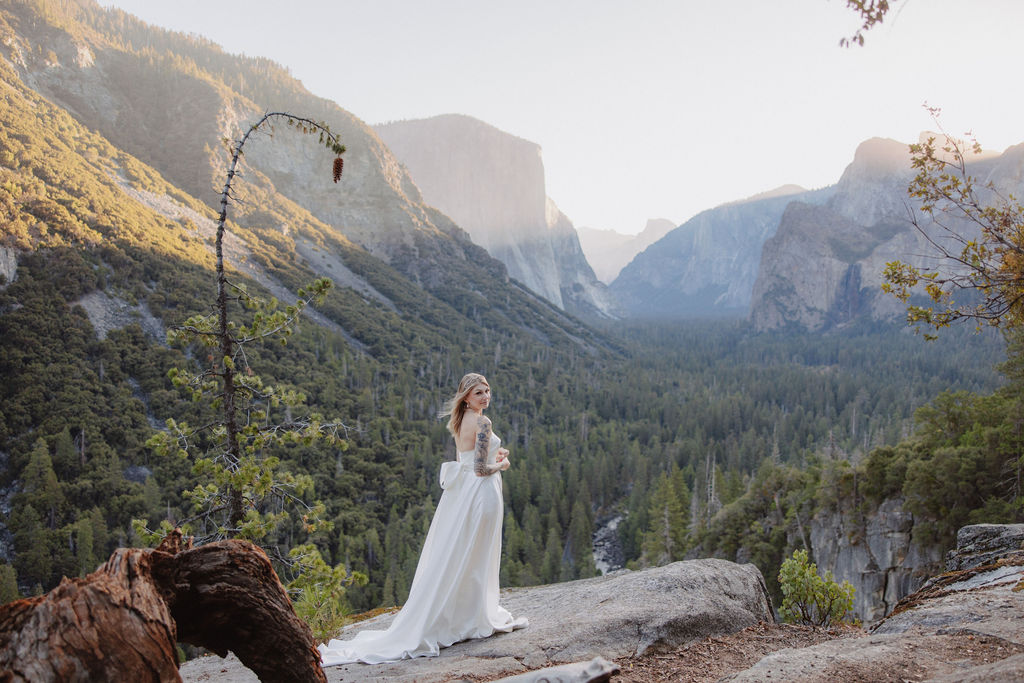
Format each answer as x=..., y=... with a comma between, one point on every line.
x=454, y=594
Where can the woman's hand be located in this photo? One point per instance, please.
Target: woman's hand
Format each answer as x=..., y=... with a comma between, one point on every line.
x=501, y=459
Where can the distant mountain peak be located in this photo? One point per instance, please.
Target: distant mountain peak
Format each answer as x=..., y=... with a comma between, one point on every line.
x=780, y=191
x=878, y=157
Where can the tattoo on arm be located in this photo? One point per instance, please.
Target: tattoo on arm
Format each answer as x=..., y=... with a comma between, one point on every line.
x=483, y=445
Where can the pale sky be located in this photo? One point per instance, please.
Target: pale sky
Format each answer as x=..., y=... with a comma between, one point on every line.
x=647, y=108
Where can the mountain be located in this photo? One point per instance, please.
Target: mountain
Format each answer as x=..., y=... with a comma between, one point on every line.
x=170, y=99
x=608, y=251
x=706, y=266
x=824, y=265
x=492, y=184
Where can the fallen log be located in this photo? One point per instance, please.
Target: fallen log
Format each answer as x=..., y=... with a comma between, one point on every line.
x=122, y=622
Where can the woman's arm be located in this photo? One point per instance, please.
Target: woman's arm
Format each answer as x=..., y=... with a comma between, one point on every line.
x=481, y=467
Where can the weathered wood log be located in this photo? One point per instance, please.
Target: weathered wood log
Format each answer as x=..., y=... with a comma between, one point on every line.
x=122, y=621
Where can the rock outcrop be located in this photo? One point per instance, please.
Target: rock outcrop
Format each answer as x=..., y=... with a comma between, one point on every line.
x=708, y=265
x=877, y=553
x=963, y=625
x=8, y=265
x=492, y=185
x=621, y=614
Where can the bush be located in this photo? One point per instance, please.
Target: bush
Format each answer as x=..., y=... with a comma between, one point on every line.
x=809, y=598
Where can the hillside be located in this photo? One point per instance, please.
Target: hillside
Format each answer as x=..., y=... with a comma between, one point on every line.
x=96, y=242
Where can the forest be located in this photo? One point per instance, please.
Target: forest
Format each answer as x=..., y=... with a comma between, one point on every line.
x=686, y=429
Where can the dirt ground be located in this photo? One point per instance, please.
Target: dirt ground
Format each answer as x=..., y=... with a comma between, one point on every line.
x=716, y=657
x=712, y=658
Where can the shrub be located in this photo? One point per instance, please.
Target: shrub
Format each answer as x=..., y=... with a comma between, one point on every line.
x=809, y=598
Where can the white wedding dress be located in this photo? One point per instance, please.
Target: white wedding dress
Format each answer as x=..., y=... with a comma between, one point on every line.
x=454, y=594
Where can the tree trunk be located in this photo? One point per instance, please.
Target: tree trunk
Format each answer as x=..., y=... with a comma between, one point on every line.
x=122, y=621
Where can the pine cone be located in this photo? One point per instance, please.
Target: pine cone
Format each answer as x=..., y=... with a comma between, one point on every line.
x=339, y=163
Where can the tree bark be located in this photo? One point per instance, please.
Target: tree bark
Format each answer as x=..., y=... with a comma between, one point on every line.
x=122, y=621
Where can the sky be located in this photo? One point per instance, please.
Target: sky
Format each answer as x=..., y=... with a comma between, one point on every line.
x=647, y=108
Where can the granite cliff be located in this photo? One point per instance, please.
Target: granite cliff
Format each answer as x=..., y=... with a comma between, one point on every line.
x=492, y=184
x=706, y=266
x=823, y=266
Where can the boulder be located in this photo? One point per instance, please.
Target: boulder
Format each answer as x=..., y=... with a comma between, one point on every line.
x=980, y=544
x=626, y=613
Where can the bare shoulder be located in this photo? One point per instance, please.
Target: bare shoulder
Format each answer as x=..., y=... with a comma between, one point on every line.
x=483, y=422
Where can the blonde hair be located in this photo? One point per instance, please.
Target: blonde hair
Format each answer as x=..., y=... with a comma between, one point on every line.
x=456, y=406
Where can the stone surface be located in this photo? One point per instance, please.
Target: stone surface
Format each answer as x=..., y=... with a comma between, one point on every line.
x=8, y=266
x=708, y=265
x=621, y=614
x=876, y=553
x=962, y=625
x=980, y=544
x=596, y=670
x=491, y=183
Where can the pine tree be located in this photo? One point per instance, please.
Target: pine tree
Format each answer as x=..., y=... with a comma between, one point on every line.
x=8, y=584
x=41, y=488
x=665, y=537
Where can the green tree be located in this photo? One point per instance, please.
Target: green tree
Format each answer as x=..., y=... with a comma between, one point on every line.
x=240, y=486
x=85, y=546
x=41, y=488
x=8, y=584
x=668, y=519
x=809, y=598
x=242, y=492
x=33, y=559
x=319, y=589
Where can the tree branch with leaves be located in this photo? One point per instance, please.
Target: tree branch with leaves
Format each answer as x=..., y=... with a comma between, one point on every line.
x=976, y=234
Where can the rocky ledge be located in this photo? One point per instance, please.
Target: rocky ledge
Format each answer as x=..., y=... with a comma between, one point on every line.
x=711, y=620
x=964, y=625
x=623, y=614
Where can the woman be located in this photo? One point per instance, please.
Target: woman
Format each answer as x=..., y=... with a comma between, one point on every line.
x=454, y=594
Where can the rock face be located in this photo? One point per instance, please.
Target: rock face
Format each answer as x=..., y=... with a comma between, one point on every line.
x=621, y=614
x=877, y=554
x=708, y=265
x=823, y=266
x=8, y=265
x=492, y=185
x=964, y=625
x=981, y=544
x=608, y=251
